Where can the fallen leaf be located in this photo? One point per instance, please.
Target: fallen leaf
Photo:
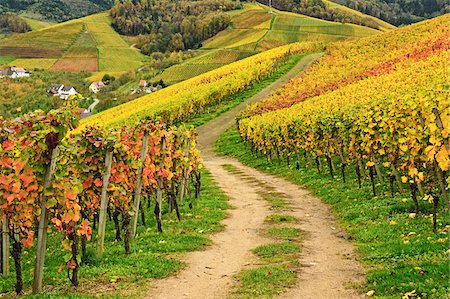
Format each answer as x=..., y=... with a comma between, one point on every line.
x=370, y=293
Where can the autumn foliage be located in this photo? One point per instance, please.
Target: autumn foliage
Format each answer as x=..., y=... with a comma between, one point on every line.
x=74, y=195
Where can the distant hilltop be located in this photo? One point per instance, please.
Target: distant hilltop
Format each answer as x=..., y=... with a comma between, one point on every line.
x=55, y=10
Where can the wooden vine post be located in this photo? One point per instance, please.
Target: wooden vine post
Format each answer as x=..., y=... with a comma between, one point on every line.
x=104, y=204
x=5, y=247
x=41, y=247
x=440, y=126
x=160, y=186
x=137, y=194
x=184, y=179
x=437, y=170
x=440, y=174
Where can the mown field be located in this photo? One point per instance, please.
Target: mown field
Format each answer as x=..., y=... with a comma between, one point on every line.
x=88, y=44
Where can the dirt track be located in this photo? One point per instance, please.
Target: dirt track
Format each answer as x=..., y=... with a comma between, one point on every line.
x=327, y=261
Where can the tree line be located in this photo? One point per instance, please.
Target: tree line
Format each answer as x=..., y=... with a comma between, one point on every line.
x=399, y=12
x=55, y=10
x=319, y=9
x=168, y=26
x=12, y=23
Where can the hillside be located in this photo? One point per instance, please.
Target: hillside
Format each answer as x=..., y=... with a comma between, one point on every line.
x=88, y=44
x=55, y=10
x=380, y=24
x=399, y=12
x=350, y=62
x=322, y=9
x=253, y=30
x=368, y=127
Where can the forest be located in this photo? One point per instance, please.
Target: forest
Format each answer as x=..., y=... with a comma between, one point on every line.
x=55, y=10
x=399, y=12
x=168, y=26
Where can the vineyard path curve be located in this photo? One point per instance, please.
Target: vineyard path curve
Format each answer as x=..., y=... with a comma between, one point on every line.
x=327, y=261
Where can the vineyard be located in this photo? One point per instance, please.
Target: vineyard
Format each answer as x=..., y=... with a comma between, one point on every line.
x=73, y=175
x=179, y=102
x=346, y=130
x=254, y=30
x=89, y=44
x=393, y=122
x=383, y=122
x=75, y=180
x=348, y=62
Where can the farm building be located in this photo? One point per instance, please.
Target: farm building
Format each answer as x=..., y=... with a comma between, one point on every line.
x=14, y=72
x=142, y=83
x=64, y=92
x=55, y=89
x=96, y=86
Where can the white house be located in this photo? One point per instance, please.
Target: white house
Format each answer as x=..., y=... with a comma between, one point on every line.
x=55, y=89
x=66, y=92
x=14, y=72
x=96, y=86
x=59, y=90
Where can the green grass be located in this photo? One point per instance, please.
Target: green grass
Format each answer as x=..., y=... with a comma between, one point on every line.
x=210, y=60
x=276, y=200
x=284, y=232
x=384, y=26
x=119, y=276
x=6, y=60
x=399, y=253
x=272, y=249
x=277, y=218
x=58, y=36
x=265, y=281
x=119, y=59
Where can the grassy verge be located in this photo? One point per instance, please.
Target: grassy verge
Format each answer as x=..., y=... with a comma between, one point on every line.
x=230, y=103
x=153, y=255
x=398, y=248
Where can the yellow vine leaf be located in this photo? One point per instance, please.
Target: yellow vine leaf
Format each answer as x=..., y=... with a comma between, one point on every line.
x=443, y=159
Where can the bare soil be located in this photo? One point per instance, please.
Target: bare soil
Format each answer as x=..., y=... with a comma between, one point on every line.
x=328, y=261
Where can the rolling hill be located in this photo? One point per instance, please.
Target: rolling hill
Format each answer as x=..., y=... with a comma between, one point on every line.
x=254, y=30
x=89, y=43
x=55, y=10
x=379, y=105
x=399, y=12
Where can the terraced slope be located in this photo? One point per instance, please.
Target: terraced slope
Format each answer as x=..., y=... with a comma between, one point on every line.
x=383, y=26
x=380, y=106
x=254, y=29
x=88, y=43
x=350, y=62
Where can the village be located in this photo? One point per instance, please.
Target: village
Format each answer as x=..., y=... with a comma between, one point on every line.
x=86, y=93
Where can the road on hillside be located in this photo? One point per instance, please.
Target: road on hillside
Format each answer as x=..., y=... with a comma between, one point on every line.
x=327, y=261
